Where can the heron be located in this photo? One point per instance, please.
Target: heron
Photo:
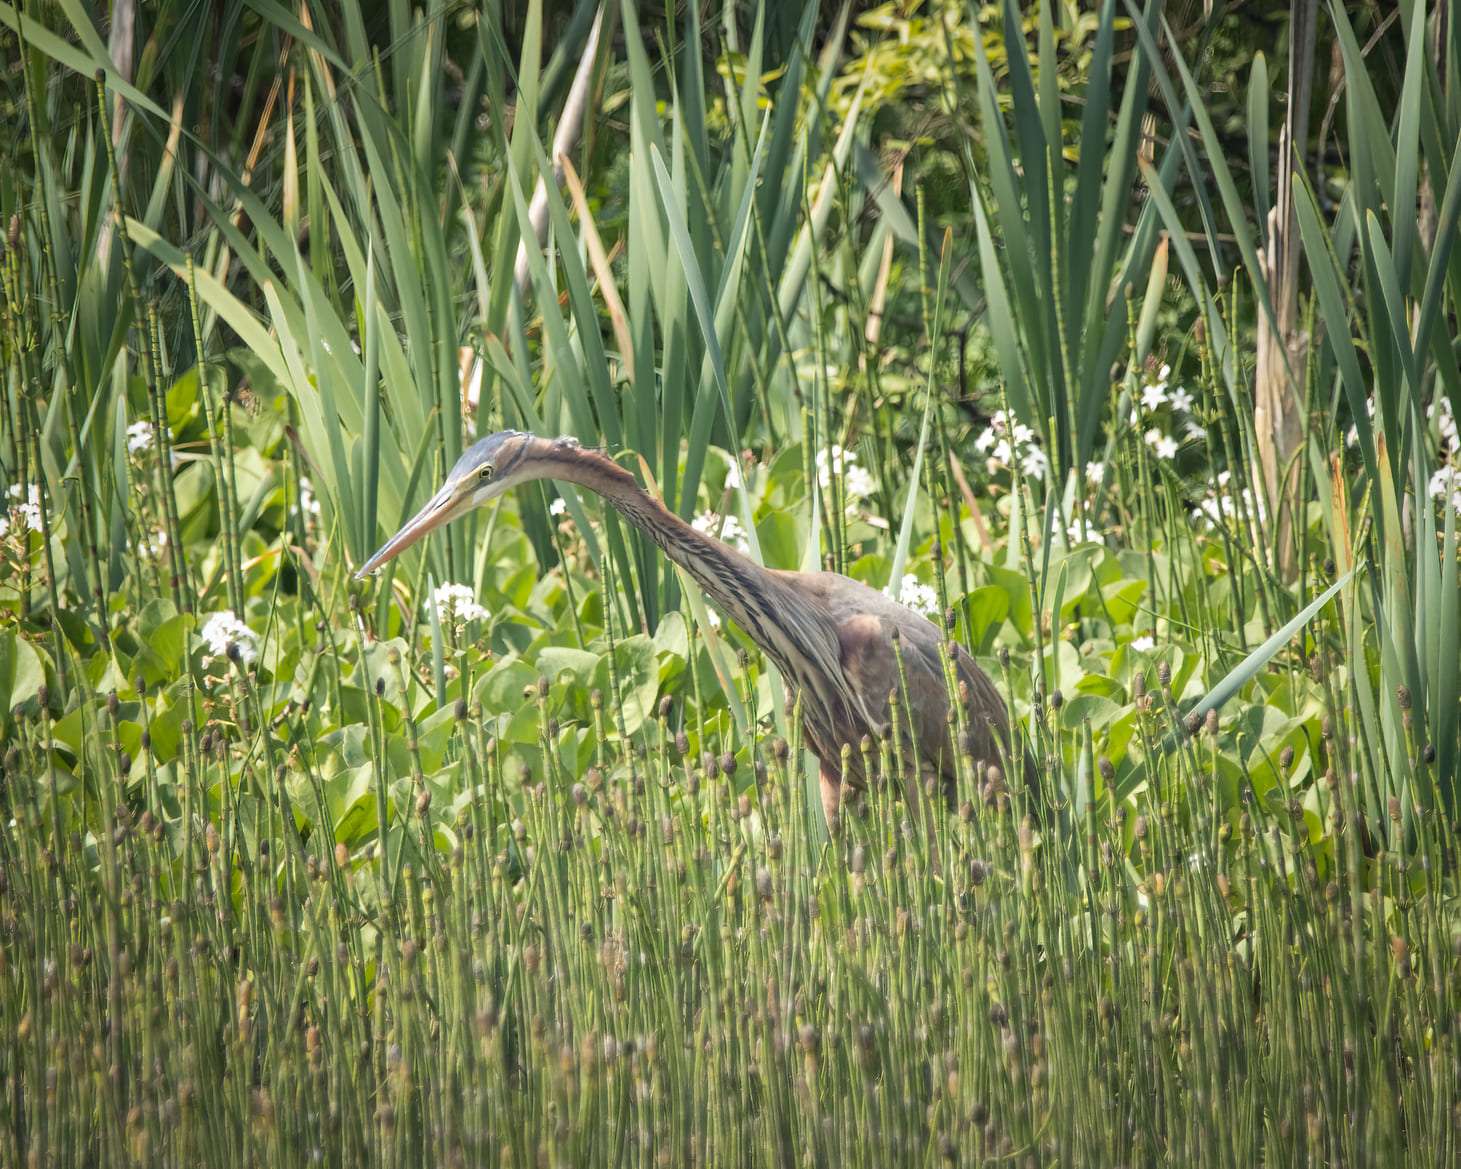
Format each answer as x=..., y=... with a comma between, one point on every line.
x=847, y=652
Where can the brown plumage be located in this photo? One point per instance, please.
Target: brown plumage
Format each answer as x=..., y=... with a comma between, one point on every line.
x=835, y=641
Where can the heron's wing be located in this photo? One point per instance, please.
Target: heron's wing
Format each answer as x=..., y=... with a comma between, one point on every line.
x=868, y=665
x=871, y=665
x=866, y=620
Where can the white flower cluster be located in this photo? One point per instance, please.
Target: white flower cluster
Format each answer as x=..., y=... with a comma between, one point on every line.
x=1445, y=419
x=224, y=629
x=1156, y=393
x=307, y=504
x=140, y=437
x=919, y=597
x=1145, y=643
x=29, y=509
x=456, y=602
x=857, y=482
x=731, y=530
x=558, y=507
x=1081, y=529
x=1445, y=484
x=1163, y=445
x=1006, y=442
x=1220, y=504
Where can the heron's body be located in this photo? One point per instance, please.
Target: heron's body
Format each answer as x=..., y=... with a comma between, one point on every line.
x=836, y=642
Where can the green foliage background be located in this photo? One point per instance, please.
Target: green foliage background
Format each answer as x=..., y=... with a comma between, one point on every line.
x=295, y=867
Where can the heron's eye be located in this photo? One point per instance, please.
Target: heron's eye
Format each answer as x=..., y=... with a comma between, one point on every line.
x=486, y=472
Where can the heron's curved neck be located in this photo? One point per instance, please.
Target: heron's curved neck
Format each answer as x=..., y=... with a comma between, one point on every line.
x=791, y=628
x=736, y=583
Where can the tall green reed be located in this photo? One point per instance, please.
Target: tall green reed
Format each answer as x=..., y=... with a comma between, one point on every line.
x=1384, y=363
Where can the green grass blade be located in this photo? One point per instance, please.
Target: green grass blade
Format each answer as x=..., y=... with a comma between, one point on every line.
x=915, y=477
x=1246, y=670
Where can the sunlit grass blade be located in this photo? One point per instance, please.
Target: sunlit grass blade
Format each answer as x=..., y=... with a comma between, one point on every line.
x=1246, y=670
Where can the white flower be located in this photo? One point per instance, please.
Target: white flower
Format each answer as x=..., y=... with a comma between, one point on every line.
x=1033, y=462
x=1082, y=532
x=1095, y=473
x=30, y=510
x=730, y=529
x=1446, y=424
x=831, y=461
x=1164, y=446
x=1445, y=484
x=1144, y=644
x=154, y=545
x=1154, y=393
x=1005, y=442
x=558, y=506
x=1079, y=530
x=140, y=437
x=857, y=482
x=1181, y=400
x=224, y=629
x=1211, y=510
x=1153, y=396
x=1000, y=456
x=1194, y=431
x=919, y=597
x=4, y=527
x=1220, y=504
x=308, y=504
x=733, y=533
x=456, y=601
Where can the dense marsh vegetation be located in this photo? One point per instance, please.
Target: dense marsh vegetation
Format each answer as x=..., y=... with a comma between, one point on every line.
x=1124, y=351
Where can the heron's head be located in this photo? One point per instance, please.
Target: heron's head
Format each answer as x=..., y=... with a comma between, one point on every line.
x=489, y=467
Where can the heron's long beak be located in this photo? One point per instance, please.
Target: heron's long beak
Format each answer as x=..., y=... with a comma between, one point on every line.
x=446, y=504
